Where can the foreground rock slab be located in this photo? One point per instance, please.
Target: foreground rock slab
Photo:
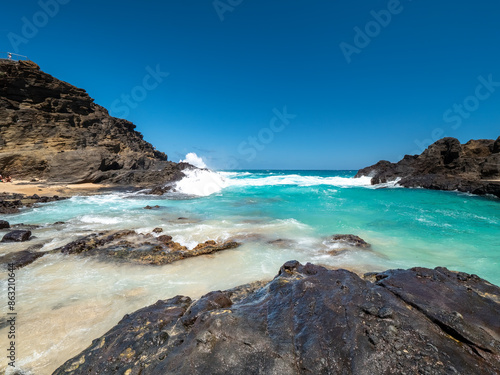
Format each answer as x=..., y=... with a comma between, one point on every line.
x=311, y=320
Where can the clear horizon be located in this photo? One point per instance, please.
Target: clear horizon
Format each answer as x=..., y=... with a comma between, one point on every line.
x=280, y=86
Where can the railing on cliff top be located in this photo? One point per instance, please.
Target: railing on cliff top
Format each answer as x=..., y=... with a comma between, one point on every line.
x=12, y=56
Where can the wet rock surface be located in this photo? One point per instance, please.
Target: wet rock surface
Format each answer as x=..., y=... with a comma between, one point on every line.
x=473, y=167
x=129, y=246
x=54, y=131
x=311, y=320
x=339, y=243
x=20, y=258
x=12, y=203
x=17, y=236
x=4, y=224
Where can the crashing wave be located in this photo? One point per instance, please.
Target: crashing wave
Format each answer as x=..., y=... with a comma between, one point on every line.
x=200, y=182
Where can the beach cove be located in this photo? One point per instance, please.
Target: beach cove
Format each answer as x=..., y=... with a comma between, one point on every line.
x=66, y=301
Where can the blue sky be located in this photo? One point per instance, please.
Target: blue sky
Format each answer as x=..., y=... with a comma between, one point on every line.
x=275, y=85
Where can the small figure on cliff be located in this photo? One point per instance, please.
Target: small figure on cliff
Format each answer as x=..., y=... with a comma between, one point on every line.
x=9, y=55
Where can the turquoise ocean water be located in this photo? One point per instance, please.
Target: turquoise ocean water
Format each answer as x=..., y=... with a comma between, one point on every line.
x=67, y=301
x=407, y=227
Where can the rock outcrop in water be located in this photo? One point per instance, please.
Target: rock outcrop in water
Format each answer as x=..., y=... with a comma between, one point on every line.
x=473, y=167
x=127, y=245
x=12, y=203
x=122, y=246
x=310, y=320
x=17, y=236
x=54, y=131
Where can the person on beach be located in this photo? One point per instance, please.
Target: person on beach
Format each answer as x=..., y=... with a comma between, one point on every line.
x=1, y=178
x=8, y=179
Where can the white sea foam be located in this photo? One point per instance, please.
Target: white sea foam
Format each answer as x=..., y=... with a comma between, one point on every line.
x=200, y=182
x=94, y=219
x=205, y=182
x=295, y=179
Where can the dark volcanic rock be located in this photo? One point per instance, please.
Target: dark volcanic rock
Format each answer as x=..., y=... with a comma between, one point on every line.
x=310, y=320
x=17, y=236
x=4, y=224
x=54, y=131
x=340, y=243
x=20, y=258
x=11, y=203
x=473, y=167
x=350, y=240
x=127, y=245
x=148, y=207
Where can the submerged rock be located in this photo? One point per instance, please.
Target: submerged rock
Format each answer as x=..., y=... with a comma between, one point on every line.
x=17, y=236
x=339, y=243
x=473, y=167
x=20, y=258
x=310, y=320
x=282, y=243
x=350, y=240
x=127, y=245
x=148, y=207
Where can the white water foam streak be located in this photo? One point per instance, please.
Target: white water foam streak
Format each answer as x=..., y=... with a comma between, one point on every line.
x=204, y=182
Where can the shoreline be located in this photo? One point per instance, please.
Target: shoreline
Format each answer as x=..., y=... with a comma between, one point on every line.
x=29, y=188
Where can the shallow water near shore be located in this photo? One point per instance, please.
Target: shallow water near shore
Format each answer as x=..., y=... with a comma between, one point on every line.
x=64, y=302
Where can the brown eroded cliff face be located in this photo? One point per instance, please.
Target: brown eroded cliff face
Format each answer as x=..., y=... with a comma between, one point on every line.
x=54, y=131
x=472, y=167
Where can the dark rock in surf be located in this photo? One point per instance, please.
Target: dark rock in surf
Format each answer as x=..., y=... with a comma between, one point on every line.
x=473, y=167
x=350, y=240
x=4, y=224
x=129, y=246
x=310, y=320
x=17, y=236
x=20, y=258
x=12, y=203
x=340, y=243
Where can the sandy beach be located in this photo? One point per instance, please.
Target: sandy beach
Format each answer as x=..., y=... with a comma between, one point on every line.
x=48, y=189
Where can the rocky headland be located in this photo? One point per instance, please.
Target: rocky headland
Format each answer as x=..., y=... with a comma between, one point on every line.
x=311, y=320
x=473, y=167
x=53, y=131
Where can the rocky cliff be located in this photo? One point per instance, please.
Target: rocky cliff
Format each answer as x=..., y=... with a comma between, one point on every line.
x=472, y=167
x=311, y=320
x=54, y=131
